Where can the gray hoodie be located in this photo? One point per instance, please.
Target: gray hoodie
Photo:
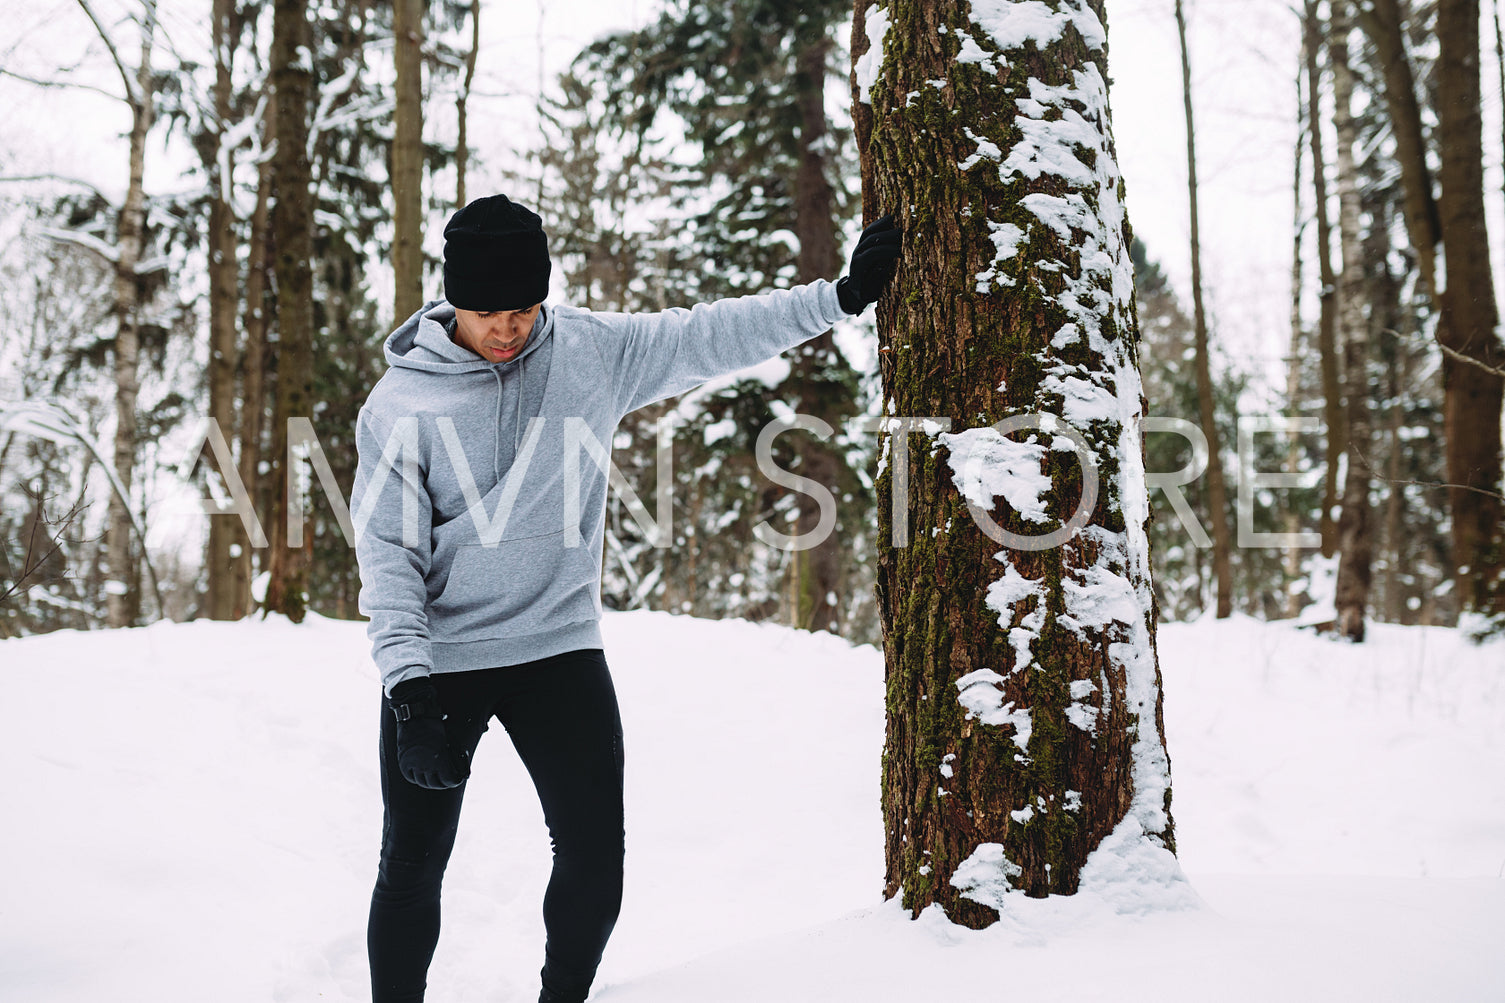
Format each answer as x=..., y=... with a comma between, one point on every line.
x=480, y=498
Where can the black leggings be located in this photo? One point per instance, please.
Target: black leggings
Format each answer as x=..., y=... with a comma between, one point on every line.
x=561, y=713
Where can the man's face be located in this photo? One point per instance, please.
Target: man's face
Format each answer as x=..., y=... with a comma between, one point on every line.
x=497, y=336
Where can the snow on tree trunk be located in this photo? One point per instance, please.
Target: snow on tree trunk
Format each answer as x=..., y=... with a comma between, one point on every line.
x=1025, y=747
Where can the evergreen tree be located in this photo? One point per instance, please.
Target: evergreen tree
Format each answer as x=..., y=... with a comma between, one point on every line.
x=746, y=79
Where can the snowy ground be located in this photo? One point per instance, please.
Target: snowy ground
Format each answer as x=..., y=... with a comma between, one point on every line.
x=191, y=812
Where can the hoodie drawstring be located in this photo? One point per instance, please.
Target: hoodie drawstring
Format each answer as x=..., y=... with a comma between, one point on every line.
x=517, y=423
x=496, y=427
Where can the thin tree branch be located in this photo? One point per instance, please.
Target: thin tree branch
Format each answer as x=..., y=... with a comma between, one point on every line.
x=31, y=564
x=1421, y=484
x=130, y=85
x=57, y=83
x=19, y=178
x=1453, y=353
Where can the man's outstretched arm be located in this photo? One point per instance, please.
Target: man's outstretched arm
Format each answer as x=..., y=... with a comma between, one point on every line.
x=658, y=355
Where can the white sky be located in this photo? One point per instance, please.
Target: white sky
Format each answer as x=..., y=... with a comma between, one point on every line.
x=1244, y=56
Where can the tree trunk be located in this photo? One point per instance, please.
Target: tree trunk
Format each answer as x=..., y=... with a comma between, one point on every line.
x=253, y=411
x=1024, y=719
x=818, y=366
x=462, y=141
x=1217, y=493
x=1327, y=340
x=407, y=160
x=1355, y=538
x=1473, y=395
x=1384, y=23
x=227, y=537
x=1494, y=11
x=121, y=605
x=292, y=239
x=1292, y=599
x=1395, y=542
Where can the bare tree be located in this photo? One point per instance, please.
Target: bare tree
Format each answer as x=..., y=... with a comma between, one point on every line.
x=1355, y=542
x=123, y=603
x=1327, y=338
x=1222, y=542
x=1474, y=357
x=407, y=159
x=292, y=240
x=462, y=100
x=227, y=538
x=1465, y=330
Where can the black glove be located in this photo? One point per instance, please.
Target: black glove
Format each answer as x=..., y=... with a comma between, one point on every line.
x=424, y=754
x=873, y=264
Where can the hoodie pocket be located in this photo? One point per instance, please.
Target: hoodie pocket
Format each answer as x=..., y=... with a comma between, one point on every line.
x=519, y=586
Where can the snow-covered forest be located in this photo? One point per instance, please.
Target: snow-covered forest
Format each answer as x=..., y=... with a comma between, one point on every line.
x=141, y=297
x=1191, y=357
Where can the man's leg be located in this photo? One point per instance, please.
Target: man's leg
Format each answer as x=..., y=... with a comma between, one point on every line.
x=561, y=713
x=418, y=833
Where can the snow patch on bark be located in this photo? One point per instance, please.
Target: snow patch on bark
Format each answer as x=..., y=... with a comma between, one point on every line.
x=971, y=52
x=1007, y=239
x=1004, y=595
x=986, y=876
x=870, y=63
x=983, y=699
x=985, y=465
x=1048, y=146
x=1011, y=23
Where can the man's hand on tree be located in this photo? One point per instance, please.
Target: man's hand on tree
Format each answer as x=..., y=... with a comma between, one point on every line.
x=424, y=753
x=873, y=264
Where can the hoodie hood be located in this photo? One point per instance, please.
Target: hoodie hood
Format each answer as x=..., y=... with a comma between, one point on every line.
x=423, y=343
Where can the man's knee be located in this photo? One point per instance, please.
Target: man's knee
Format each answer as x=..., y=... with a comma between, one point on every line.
x=410, y=875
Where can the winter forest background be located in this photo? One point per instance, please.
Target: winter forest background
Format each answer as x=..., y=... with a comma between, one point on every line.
x=154, y=276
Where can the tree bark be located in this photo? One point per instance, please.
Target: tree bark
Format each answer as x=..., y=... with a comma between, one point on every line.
x=1013, y=746
x=253, y=411
x=1327, y=339
x=407, y=160
x=1384, y=23
x=1355, y=538
x=1395, y=501
x=1473, y=396
x=123, y=602
x=462, y=140
x=1298, y=345
x=227, y=537
x=817, y=583
x=1217, y=493
x=292, y=238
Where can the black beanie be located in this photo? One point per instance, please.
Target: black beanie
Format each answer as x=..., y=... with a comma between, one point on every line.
x=496, y=257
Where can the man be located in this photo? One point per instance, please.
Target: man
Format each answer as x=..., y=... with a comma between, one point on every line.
x=480, y=558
